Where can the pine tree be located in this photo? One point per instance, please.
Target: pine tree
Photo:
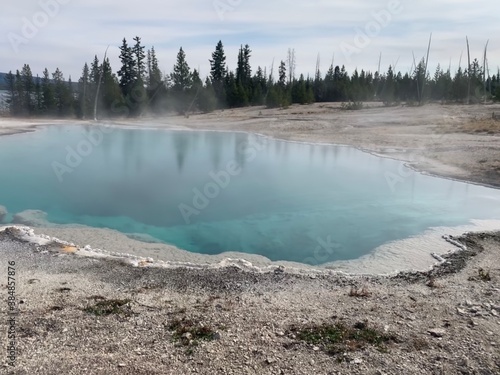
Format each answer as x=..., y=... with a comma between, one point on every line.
x=156, y=89
x=49, y=102
x=282, y=75
x=207, y=100
x=111, y=93
x=19, y=109
x=127, y=72
x=139, y=56
x=259, y=85
x=12, y=100
x=28, y=90
x=389, y=87
x=38, y=96
x=84, y=103
x=62, y=94
x=154, y=72
x=218, y=72
x=182, y=80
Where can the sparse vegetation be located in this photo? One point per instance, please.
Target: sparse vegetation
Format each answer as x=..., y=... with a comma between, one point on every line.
x=362, y=292
x=104, y=307
x=351, y=106
x=432, y=283
x=338, y=338
x=188, y=332
x=482, y=275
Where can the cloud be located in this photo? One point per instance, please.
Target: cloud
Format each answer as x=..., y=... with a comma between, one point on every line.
x=82, y=28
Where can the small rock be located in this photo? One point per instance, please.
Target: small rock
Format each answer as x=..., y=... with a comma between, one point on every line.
x=357, y=361
x=437, y=332
x=473, y=323
x=494, y=312
x=461, y=311
x=316, y=348
x=280, y=333
x=121, y=364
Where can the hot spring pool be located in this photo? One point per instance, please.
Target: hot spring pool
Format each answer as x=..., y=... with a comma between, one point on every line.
x=212, y=192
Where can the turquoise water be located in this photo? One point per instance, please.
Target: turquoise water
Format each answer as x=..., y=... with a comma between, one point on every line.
x=211, y=192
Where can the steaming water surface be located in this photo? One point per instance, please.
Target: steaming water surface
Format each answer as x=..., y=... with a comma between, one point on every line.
x=210, y=192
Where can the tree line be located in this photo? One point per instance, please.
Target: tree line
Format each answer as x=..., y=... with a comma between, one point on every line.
x=139, y=87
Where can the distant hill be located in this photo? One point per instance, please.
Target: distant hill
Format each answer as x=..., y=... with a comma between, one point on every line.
x=3, y=83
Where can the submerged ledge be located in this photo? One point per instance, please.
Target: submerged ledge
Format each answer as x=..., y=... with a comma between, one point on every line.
x=420, y=254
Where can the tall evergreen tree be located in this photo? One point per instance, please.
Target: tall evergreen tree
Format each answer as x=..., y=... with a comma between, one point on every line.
x=156, y=88
x=19, y=95
x=12, y=100
x=139, y=56
x=218, y=72
x=62, y=95
x=49, y=102
x=84, y=103
x=28, y=90
x=127, y=72
x=38, y=96
x=111, y=93
x=182, y=80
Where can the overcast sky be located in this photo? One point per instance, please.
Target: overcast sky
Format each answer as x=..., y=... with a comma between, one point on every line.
x=69, y=33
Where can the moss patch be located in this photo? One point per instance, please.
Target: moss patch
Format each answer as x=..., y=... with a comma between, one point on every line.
x=339, y=338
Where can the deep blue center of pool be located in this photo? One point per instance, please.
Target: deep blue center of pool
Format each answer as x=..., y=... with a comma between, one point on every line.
x=212, y=192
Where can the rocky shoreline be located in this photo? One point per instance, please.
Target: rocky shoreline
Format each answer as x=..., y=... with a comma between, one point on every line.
x=83, y=315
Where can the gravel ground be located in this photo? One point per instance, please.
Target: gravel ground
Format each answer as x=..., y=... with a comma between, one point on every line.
x=94, y=316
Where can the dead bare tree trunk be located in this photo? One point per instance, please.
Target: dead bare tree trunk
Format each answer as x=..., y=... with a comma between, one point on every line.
x=99, y=84
x=291, y=65
x=468, y=70
x=425, y=70
x=417, y=78
x=378, y=74
x=484, y=69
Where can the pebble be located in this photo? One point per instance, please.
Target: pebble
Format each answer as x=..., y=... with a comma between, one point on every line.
x=437, y=332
